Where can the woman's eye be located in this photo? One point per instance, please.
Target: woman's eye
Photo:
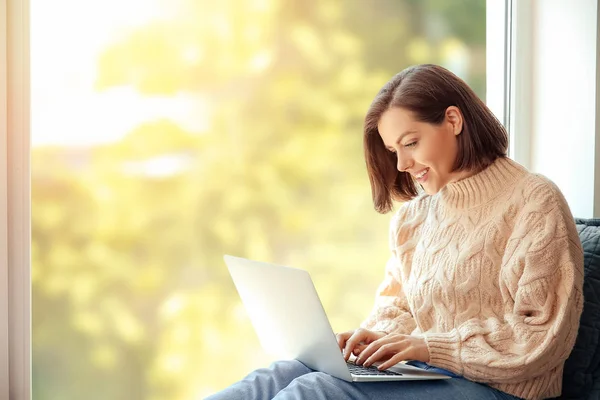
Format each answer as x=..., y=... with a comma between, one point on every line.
x=411, y=144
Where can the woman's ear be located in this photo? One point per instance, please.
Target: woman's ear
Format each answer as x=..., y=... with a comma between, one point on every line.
x=455, y=119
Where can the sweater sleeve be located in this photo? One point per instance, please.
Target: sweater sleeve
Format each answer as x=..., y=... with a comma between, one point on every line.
x=391, y=312
x=541, y=284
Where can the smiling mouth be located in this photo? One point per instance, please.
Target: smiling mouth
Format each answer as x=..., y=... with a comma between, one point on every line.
x=421, y=174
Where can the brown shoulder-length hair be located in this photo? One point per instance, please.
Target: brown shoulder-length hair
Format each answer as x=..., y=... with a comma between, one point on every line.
x=428, y=90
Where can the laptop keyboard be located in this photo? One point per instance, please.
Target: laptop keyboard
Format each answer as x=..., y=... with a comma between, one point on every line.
x=360, y=370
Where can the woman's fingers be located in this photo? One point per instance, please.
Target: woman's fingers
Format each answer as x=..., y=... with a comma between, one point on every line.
x=398, y=357
x=358, y=349
x=360, y=338
x=385, y=352
x=368, y=352
x=342, y=338
x=396, y=347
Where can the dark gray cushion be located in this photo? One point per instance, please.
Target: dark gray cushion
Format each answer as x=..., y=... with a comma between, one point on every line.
x=581, y=378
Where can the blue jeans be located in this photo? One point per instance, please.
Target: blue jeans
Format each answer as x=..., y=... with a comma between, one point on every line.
x=286, y=380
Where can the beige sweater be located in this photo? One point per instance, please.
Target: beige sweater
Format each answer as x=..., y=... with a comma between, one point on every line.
x=489, y=271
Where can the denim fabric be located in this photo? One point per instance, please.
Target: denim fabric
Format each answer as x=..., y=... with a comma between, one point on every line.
x=422, y=365
x=286, y=380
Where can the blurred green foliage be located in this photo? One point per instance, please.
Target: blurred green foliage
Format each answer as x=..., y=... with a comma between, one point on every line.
x=131, y=299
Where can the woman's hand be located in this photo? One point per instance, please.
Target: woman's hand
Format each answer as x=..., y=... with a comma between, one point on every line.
x=394, y=348
x=353, y=342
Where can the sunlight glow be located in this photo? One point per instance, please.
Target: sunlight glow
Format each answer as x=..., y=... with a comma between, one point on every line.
x=66, y=108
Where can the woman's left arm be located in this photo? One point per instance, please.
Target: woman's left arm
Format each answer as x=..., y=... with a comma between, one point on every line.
x=542, y=275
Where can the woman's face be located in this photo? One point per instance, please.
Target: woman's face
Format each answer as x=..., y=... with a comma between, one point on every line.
x=424, y=150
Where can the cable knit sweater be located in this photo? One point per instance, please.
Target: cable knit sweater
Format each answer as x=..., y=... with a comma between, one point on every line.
x=489, y=271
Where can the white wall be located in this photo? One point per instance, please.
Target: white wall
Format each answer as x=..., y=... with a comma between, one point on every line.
x=558, y=91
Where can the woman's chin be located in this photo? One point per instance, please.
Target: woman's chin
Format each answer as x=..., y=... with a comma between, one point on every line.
x=430, y=189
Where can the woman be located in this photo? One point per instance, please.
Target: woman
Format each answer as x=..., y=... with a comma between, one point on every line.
x=485, y=277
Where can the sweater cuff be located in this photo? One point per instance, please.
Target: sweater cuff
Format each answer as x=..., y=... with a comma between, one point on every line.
x=444, y=350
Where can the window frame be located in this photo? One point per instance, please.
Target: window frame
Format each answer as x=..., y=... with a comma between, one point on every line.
x=15, y=203
x=498, y=61
x=4, y=374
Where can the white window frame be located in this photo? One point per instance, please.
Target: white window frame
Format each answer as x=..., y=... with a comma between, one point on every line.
x=519, y=97
x=15, y=191
x=15, y=202
x=508, y=74
x=498, y=60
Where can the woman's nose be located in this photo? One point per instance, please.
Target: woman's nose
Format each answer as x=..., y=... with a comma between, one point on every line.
x=403, y=164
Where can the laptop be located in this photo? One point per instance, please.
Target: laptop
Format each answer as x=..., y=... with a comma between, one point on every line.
x=290, y=322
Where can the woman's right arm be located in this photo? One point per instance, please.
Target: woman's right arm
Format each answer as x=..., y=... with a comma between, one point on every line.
x=391, y=313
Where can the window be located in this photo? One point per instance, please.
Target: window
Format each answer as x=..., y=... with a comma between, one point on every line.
x=167, y=134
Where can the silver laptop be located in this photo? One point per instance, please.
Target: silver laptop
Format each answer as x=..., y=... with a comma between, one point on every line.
x=290, y=322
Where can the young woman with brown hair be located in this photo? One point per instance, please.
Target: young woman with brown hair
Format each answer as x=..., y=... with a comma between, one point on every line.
x=484, y=282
